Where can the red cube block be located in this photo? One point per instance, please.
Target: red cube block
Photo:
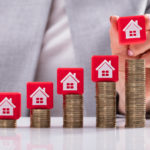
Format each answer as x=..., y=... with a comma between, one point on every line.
x=105, y=68
x=70, y=81
x=39, y=95
x=10, y=106
x=131, y=29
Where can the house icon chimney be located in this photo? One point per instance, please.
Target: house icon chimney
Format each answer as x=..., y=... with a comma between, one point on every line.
x=136, y=22
x=10, y=100
x=74, y=74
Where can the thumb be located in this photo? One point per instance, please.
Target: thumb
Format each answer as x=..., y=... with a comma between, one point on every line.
x=114, y=24
x=115, y=45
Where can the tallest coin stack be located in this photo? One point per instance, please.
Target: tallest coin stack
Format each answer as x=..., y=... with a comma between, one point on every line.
x=135, y=93
x=105, y=74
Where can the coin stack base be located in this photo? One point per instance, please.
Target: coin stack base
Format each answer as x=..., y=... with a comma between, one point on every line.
x=40, y=118
x=73, y=111
x=7, y=123
x=105, y=104
x=135, y=93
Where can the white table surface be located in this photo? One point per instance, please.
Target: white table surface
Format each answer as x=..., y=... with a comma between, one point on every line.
x=88, y=138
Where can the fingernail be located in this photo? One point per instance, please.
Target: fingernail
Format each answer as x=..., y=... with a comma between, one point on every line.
x=130, y=53
x=110, y=18
x=148, y=16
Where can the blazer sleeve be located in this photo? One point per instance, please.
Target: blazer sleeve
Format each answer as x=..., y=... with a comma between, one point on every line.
x=147, y=11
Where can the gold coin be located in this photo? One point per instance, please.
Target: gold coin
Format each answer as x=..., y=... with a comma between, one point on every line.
x=73, y=111
x=135, y=93
x=105, y=104
x=7, y=123
x=40, y=118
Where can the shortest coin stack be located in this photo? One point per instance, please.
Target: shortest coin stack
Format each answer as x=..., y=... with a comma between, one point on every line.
x=10, y=109
x=7, y=123
x=105, y=104
x=135, y=93
x=40, y=118
x=73, y=111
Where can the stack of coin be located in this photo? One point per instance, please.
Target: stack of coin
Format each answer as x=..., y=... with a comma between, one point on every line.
x=135, y=93
x=73, y=111
x=40, y=118
x=7, y=123
x=105, y=104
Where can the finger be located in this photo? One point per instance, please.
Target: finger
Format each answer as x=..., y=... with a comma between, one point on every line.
x=147, y=21
x=147, y=89
x=114, y=23
x=138, y=49
x=148, y=83
x=115, y=45
x=146, y=57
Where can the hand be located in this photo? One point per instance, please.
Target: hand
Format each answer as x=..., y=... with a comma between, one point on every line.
x=130, y=51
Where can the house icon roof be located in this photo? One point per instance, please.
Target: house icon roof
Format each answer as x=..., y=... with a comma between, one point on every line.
x=132, y=24
x=108, y=63
x=37, y=90
x=9, y=101
x=73, y=76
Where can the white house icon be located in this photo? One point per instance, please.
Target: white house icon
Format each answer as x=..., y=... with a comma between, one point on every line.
x=70, y=82
x=132, y=30
x=105, y=69
x=39, y=97
x=7, y=107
